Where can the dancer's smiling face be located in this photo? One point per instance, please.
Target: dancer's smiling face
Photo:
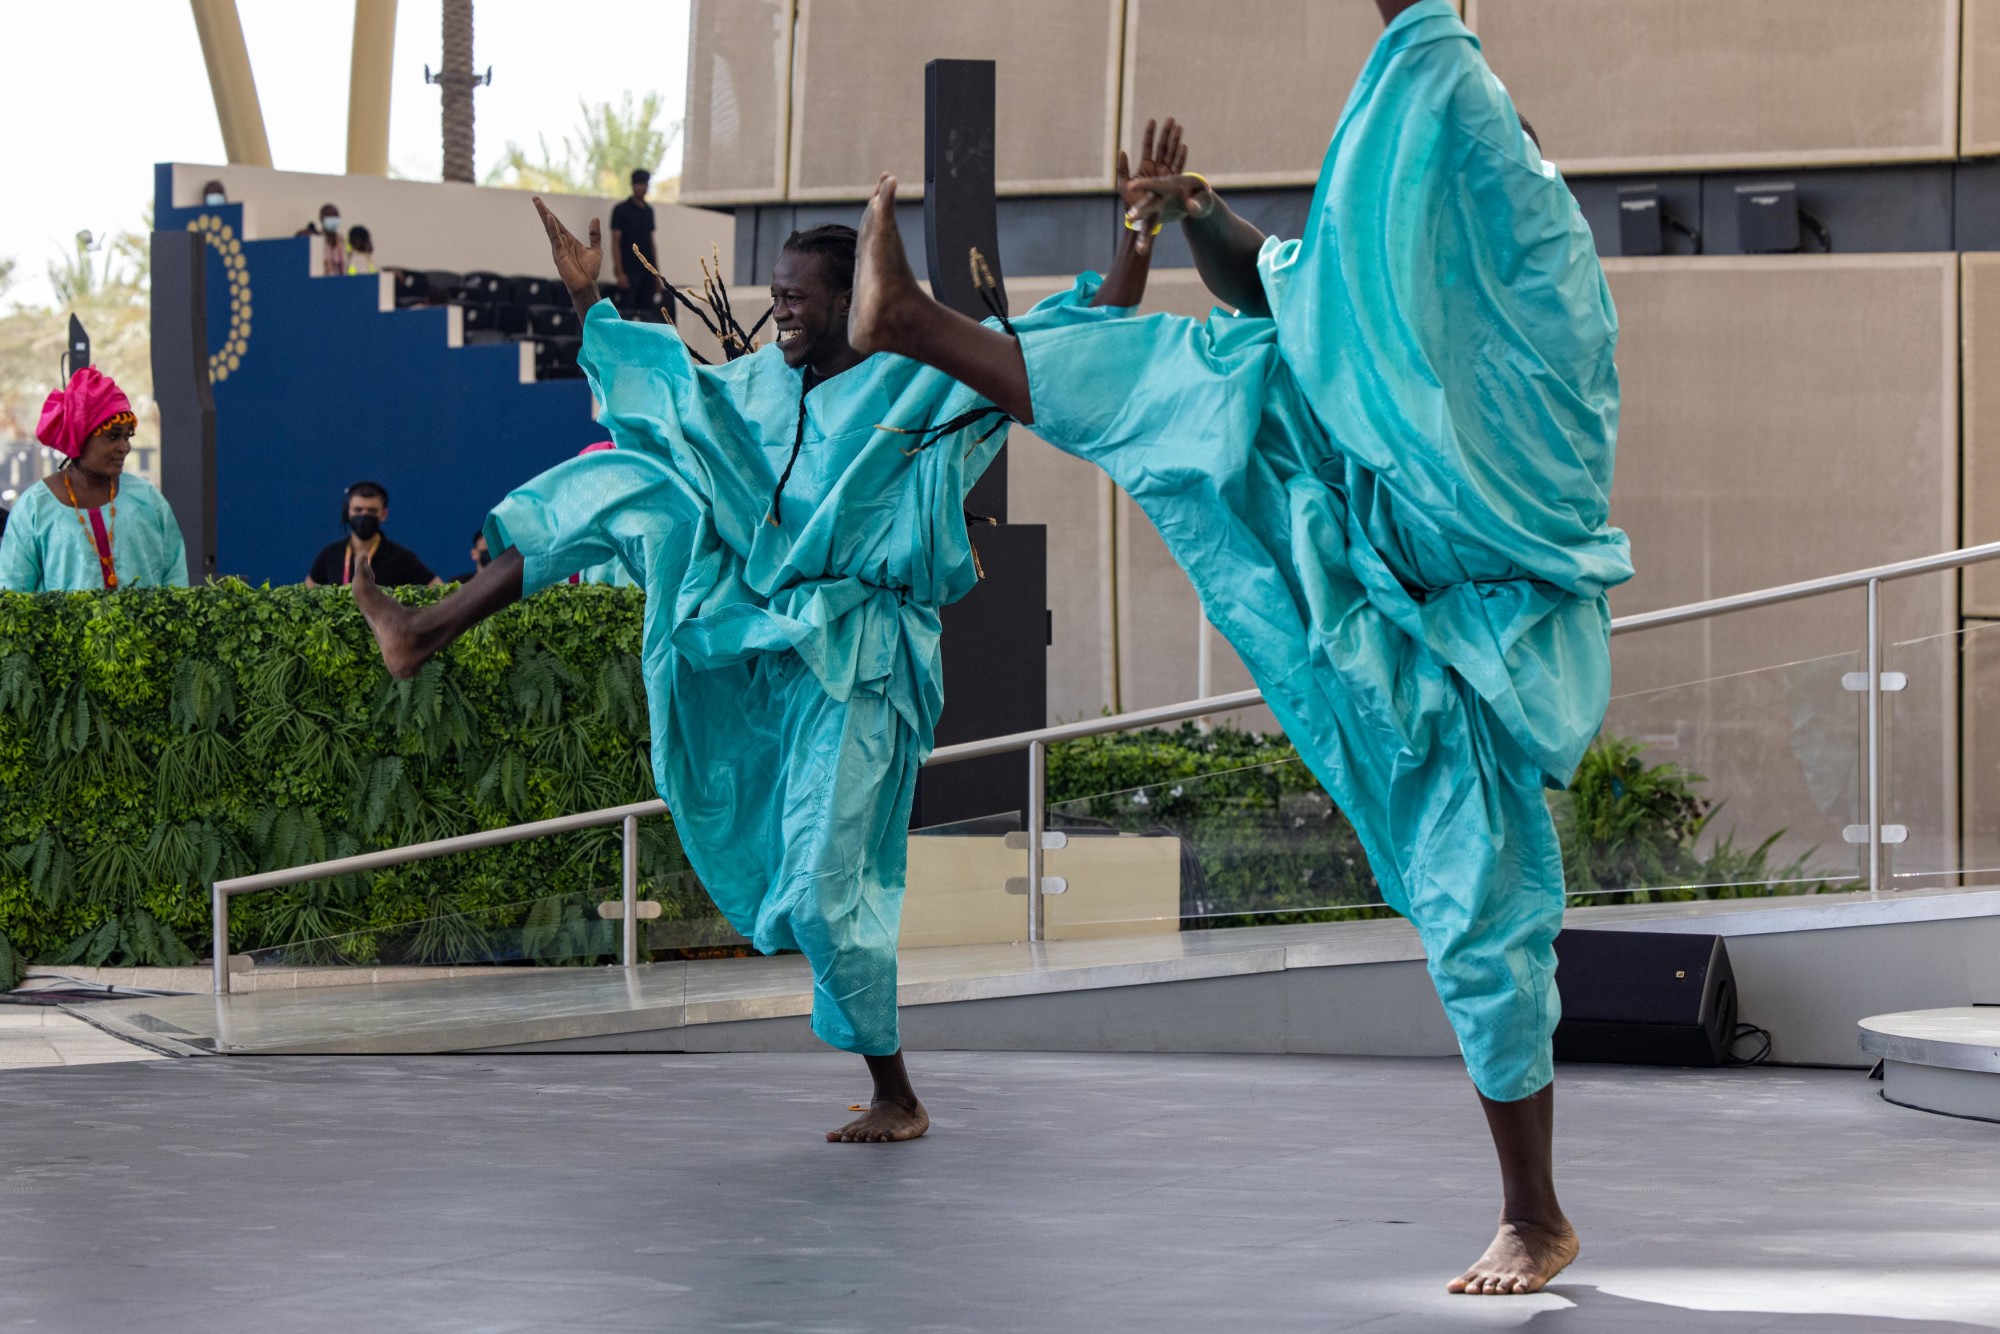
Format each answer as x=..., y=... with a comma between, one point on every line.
x=808, y=310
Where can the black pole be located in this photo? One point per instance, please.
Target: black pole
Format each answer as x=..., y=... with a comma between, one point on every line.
x=78, y=350
x=182, y=390
x=961, y=211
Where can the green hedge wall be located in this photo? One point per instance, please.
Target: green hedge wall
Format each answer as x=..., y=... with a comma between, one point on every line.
x=154, y=740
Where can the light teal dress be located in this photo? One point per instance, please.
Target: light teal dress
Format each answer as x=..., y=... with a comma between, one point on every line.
x=46, y=550
x=792, y=668
x=1393, y=499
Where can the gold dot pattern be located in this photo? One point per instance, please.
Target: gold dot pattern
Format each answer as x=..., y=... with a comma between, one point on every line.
x=222, y=239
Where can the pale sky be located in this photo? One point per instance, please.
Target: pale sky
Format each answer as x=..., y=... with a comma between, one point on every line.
x=97, y=91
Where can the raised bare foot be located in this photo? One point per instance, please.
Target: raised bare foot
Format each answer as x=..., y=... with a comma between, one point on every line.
x=883, y=282
x=1523, y=1258
x=885, y=1122
x=390, y=620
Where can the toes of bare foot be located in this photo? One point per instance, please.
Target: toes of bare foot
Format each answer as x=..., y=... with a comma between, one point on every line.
x=883, y=1123
x=1522, y=1259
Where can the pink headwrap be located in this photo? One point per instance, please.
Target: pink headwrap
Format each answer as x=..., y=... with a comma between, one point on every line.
x=592, y=449
x=70, y=415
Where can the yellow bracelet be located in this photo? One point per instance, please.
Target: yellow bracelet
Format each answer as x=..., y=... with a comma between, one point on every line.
x=1130, y=226
x=1206, y=186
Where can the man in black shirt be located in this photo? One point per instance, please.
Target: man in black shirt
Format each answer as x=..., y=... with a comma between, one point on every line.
x=366, y=507
x=632, y=226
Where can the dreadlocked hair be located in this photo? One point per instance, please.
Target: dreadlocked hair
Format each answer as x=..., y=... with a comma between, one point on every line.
x=834, y=244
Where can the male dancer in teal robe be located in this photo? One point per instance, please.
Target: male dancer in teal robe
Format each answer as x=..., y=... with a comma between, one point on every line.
x=1388, y=476
x=796, y=531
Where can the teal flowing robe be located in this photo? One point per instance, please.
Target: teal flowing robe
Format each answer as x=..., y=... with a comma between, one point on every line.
x=792, y=669
x=46, y=550
x=1393, y=499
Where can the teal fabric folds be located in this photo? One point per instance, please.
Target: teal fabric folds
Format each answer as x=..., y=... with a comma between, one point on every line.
x=1392, y=498
x=792, y=668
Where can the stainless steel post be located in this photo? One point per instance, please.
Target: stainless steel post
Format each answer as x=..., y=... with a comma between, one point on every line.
x=219, y=912
x=629, y=950
x=1038, y=756
x=1875, y=736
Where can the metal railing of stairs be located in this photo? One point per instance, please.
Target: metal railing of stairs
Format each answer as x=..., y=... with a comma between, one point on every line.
x=1038, y=840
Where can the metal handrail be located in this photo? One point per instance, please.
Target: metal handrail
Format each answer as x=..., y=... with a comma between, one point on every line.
x=1037, y=742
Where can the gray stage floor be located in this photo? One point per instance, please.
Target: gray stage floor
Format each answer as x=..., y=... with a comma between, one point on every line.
x=637, y=1192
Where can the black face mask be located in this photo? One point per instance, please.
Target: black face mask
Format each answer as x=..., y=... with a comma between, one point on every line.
x=364, y=526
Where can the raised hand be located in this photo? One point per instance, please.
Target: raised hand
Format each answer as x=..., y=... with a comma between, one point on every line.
x=577, y=264
x=1160, y=193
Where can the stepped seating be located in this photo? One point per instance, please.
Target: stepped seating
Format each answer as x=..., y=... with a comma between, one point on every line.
x=495, y=308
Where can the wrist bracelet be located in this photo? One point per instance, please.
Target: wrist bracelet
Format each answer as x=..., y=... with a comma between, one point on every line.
x=1131, y=226
x=1211, y=194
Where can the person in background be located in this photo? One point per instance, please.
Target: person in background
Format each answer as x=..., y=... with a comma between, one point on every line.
x=360, y=251
x=90, y=525
x=213, y=195
x=632, y=227
x=333, y=251
x=481, y=558
x=365, y=509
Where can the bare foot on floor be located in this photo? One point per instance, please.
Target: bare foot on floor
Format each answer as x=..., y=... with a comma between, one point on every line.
x=883, y=1123
x=883, y=282
x=390, y=620
x=1522, y=1259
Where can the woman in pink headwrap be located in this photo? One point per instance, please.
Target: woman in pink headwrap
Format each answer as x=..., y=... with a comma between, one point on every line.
x=90, y=525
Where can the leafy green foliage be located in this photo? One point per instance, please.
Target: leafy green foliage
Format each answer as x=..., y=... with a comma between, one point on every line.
x=598, y=158
x=157, y=740
x=1263, y=844
x=1635, y=833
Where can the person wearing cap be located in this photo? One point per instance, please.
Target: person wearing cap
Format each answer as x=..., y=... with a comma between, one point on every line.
x=90, y=525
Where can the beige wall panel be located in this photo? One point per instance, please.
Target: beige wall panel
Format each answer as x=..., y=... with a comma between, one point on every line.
x=1979, y=93
x=1787, y=417
x=1643, y=85
x=1980, y=351
x=738, y=100
x=1180, y=60
x=858, y=90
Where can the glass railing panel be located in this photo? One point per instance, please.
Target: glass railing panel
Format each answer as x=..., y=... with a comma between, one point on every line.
x=530, y=903
x=1257, y=845
x=1733, y=785
x=1941, y=801
x=967, y=883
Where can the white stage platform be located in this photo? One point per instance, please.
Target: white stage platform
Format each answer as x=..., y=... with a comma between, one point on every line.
x=1808, y=970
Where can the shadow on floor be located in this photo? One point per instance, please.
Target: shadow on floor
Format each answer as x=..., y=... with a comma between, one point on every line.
x=1596, y=1311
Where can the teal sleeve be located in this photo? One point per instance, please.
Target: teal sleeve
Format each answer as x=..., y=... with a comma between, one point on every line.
x=20, y=568
x=175, y=573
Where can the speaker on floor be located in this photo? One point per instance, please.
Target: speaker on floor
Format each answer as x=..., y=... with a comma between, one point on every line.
x=1644, y=998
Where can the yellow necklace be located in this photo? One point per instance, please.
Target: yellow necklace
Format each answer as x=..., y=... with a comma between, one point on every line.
x=104, y=557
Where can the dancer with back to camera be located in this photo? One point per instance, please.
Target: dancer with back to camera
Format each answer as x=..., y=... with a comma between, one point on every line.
x=1388, y=476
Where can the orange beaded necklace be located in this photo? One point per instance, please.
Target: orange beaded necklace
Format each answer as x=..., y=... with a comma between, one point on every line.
x=104, y=553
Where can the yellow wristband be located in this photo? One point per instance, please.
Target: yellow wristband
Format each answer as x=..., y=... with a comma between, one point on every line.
x=1204, y=185
x=1131, y=226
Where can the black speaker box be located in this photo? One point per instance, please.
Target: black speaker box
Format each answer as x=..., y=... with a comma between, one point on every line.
x=1644, y=998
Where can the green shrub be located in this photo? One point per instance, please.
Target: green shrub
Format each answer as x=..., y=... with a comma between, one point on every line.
x=1264, y=844
x=1628, y=827
x=159, y=739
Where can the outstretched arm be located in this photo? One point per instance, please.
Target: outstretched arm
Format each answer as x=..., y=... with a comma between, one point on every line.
x=577, y=264
x=1125, y=285
x=1225, y=246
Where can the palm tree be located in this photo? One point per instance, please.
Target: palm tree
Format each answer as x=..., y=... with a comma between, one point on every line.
x=456, y=82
